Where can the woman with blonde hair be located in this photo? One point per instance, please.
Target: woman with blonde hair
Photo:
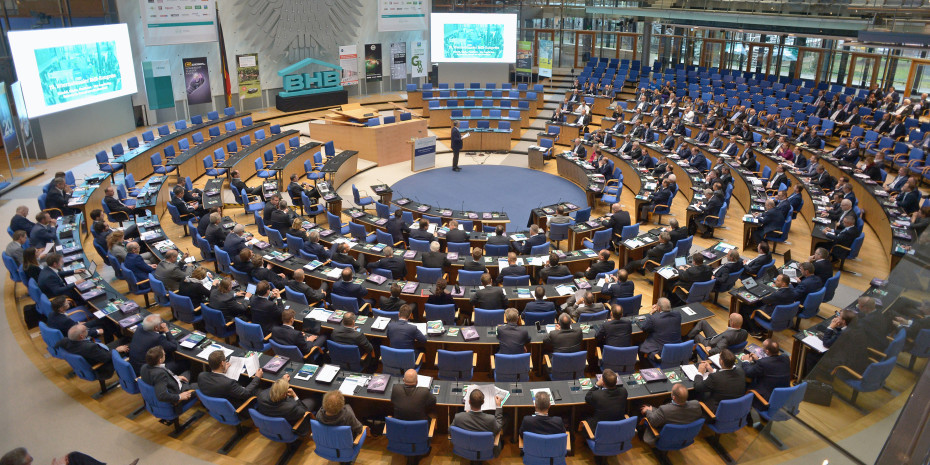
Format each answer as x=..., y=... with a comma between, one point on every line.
x=297, y=229
x=280, y=401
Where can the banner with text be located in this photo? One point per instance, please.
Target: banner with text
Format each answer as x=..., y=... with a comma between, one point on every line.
x=348, y=60
x=250, y=85
x=524, y=58
x=398, y=60
x=545, y=58
x=21, y=113
x=424, y=153
x=197, y=80
x=168, y=22
x=403, y=15
x=373, y=70
x=156, y=75
x=418, y=61
x=7, y=125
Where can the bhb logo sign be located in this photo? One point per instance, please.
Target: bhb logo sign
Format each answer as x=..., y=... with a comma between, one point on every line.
x=297, y=84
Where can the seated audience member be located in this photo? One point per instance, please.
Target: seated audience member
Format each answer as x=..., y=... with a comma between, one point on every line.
x=263, y=272
x=312, y=246
x=154, y=332
x=16, y=247
x=704, y=334
x=553, y=269
x=473, y=419
x=540, y=422
x=215, y=383
x=439, y=295
x=619, y=286
x=335, y=412
x=680, y=411
x=170, y=272
x=266, y=306
x=394, y=264
x=512, y=337
x=285, y=334
x=512, y=269
x=297, y=284
x=585, y=303
x=490, y=297
x=342, y=257
x=223, y=298
x=169, y=387
x=475, y=263
x=280, y=401
x=347, y=288
x=661, y=326
x=393, y=302
x=654, y=254
x=78, y=342
x=733, y=264
x=608, y=400
x=769, y=372
x=616, y=331
x=539, y=304
x=564, y=338
x=243, y=261
x=729, y=382
x=752, y=267
x=412, y=402
x=346, y=334
x=401, y=333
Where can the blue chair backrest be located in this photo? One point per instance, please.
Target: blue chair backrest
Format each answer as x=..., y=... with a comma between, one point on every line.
x=511, y=367
x=700, y=292
x=51, y=337
x=684, y=246
x=896, y=344
x=349, y=304
x=159, y=290
x=158, y=409
x=921, y=347
x=831, y=286
x=782, y=316
x=428, y=275
x=619, y=359
x=631, y=305
x=397, y=361
x=674, y=355
x=568, y=365
x=731, y=414
x=594, y=316
x=613, y=437
x=601, y=239
x=182, y=306
x=455, y=365
x=523, y=280
x=558, y=231
x=676, y=437
x=220, y=409
x=544, y=448
x=496, y=250
x=488, y=317
x=289, y=351
x=349, y=357
x=555, y=280
x=295, y=296
x=250, y=335
x=629, y=232
x=125, y=373
x=470, y=277
x=213, y=321
x=812, y=303
x=274, y=428
x=472, y=445
x=446, y=313
x=419, y=245
x=409, y=438
x=785, y=400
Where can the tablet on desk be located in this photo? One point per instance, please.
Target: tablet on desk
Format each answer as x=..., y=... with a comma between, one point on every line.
x=250, y=289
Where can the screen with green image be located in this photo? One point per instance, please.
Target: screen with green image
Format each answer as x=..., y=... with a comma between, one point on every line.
x=74, y=72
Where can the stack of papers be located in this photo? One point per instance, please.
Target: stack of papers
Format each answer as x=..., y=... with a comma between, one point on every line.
x=692, y=372
x=212, y=348
x=814, y=342
x=490, y=391
x=238, y=365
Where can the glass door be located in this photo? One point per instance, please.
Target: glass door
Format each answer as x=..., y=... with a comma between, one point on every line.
x=712, y=53
x=759, y=58
x=918, y=78
x=863, y=70
x=809, y=64
x=584, y=47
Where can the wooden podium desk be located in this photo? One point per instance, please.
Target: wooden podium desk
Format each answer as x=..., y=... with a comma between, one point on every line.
x=382, y=144
x=493, y=140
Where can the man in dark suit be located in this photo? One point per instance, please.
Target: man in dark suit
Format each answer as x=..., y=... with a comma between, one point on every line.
x=711, y=208
x=285, y=334
x=822, y=266
x=412, y=402
x=769, y=372
x=734, y=264
x=214, y=232
x=540, y=422
x=603, y=265
x=563, y=339
x=680, y=411
x=60, y=320
x=553, y=268
x=347, y=288
x=512, y=337
x=234, y=241
x=51, y=278
x=169, y=387
x=184, y=210
x=772, y=219
x=698, y=272
x=20, y=221
x=654, y=254
x=473, y=419
x=844, y=237
x=204, y=222
x=297, y=284
x=752, y=267
x=455, y=234
x=662, y=326
x=909, y=199
x=456, y=146
x=783, y=295
x=619, y=286
x=347, y=334
x=823, y=179
x=435, y=259
x=115, y=204
x=215, y=383
x=539, y=304
x=676, y=232
x=79, y=343
x=512, y=269
x=393, y=302
x=499, y=237
x=238, y=184
x=809, y=283
x=43, y=231
x=396, y=227
x=704, y=334
x=57, y=197
x=401, y=333
x=422, y=232
x=616, y=331
x=580, y=303
x=534, y=238
x=313, y=246
x=607, y=400
x=698, y=161
x=280, y=401
x=726, y=383
x=395, y=265
x=281, y=218
x=266, y=306
x=341, y=255
x=491, y=297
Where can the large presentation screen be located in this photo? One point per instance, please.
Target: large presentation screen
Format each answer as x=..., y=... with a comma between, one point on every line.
x=67, y=68
x=473, y=38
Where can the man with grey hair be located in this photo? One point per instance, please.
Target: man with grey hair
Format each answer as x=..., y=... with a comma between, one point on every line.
x=235, y=241
x=584, y=303
x=215, y=234
x=395, y=265
x=57, y=198
x=436, y=259
x=154, y=332
x=21, y=221
x=169, y=272
x=654, y=254
x=312, y=246
x=79, y=344
x=661, y=327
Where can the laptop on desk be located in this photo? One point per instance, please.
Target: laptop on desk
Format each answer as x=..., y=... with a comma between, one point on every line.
x=758, y=290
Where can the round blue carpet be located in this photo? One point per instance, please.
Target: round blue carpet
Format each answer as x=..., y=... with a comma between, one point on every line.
x=516, y=191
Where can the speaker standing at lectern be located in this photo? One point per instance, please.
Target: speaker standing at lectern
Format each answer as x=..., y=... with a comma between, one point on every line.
x=456, y=147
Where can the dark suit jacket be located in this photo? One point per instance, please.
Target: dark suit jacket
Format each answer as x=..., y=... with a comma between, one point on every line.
x=615, y=333
x=772, y=220
x=52, y=284
x=542, y=424
x=607, y=404
x=349, y=336
x=823, y=269
x=530, y=242
x=845, y=238
x=756, y=264
x=264, y=274
x=218, y=385
x=280, y=221
x=725, y=339
x=678, y=234
x=436, y=260
x=600, y=266
x=266, y=312
x=135, y=263
x=564, y=340
x=287, y=335
x=421, y=235
x=395, y=265
x=723, y=272
x=233, y=244
x=166, y=387
x=90, y=351
x=472, y=265
x=404, y=335
x=548, y=271
x=195, y=291
x=479, y=421
x=768, y=373
x=489, y=298
x=807, y=286
x=115, y=205
x=539, y=306
x=21, y=223
x=347, y=259
x=317, y=249
x=513, y=339
x=40, y=235
x=289, y=409
x=412, y=403
x=720, y=385
x=56, y=198
x=655, y=254
x=390, y=304
x=515, y=270
x=396, y=227
x=350, y=289
x=457, y=235
x=181, y=205
x=660, y=329
x=618, y=289
x=215, y=235
x=781, y=296
x=694, y=274
x=228, y=304
x=312, y=294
